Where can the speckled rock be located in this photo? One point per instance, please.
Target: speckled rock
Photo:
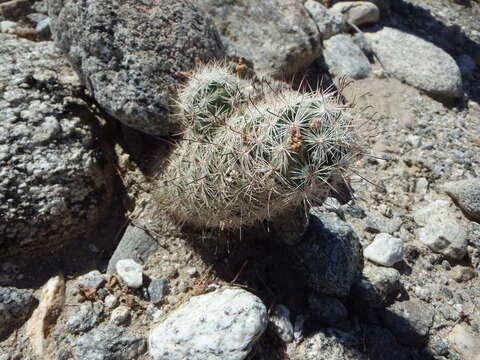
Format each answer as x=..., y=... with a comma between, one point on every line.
x=222, y=325
x=329, y=23
x=466, y=193
x=16, y=305
x=281, y=324
x=55, y=182
x=84, y=318
x=279, y=36
x=127, y=53
x=357, y=12
x=417, y=62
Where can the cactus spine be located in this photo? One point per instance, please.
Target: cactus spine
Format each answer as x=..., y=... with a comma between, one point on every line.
x=242, y=161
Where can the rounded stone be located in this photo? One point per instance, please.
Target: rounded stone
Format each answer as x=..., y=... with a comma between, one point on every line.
x=130, y=272
x=385, y=250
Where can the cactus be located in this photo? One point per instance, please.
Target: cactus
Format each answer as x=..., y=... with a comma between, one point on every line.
x=241, y=162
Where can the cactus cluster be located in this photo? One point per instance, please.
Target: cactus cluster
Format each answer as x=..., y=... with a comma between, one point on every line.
x=248, y=155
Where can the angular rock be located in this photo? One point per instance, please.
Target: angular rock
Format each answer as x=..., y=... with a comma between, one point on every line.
x=377, y=286
x=441, y=230
x=279, y=36
x=329, y=23
x=377, y=223
x=330, y=255
x=222, y=325
x=16, y=305
x=55, y=181
x=157, y=290
x=357, y=12
x=385, y=250
x=87, y=316
x=93, y=280
x=466, y=194
x=326, y=309
x=127, y=53
x=417, y=62
x=130, y=272
x=281, y=324
x=410, y=321
x=464, y=343
x=344, y=57
x=109, y=343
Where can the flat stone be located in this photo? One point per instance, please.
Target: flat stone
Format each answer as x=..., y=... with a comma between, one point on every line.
x=281, y=324
x=417, y=62
x=385, y=250
x=16, y=306
x=130, y=272
x=377, y=223
x=221, y=325
x=464, y=342
x=327, y=309
x=329, y=23
x=127, y=53
x=357, y=12
x=344, y=57
x=466, y=194
x=93, y=280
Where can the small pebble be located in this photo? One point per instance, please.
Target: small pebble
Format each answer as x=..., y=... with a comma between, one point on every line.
x=111, y=301
x=130, y=272
x=120, y=315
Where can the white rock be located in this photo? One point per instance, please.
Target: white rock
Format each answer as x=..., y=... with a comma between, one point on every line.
x=441, y=230
x=221, y=325
x=6, y=24
x=120, y=315
x=357, y=12
x=464, y=343
x=111, y=301
x=385, y=250
x=281, y=324
x=130, y=272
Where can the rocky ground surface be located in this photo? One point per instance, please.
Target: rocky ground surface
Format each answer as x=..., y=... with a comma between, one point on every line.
x=391, y=274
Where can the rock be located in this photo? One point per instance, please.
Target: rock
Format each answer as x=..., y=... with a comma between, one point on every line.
x=92, y=280
x=329, y=23
x=381, y=345
x=6, y=24
x=127, y=54
x=417, y=62
x=223, y=324
x=157, y=290
x=130, y=272
x=87, y=316
x=15, y=9
x=377, y=285
x=357, y=12
x=55, y=181
x=463, y=274
x=36, y=17
x=43, y=27
x=111, y=342
x=40, y=6
x=281, y=324
x=385, y=250
x=111, y=301
x=330, y=255
x=16, y=306
x=441, y=231
x=377, y=223
x=120, y=315
x=279, y=36
x=464, y=343
x=40, y=326
x=326, y=309
x=135, y=244
x=344, y=57
x=410, y=321
x=466, y=194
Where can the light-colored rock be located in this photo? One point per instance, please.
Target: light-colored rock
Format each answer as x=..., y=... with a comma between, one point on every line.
x=111, y=301
x=466, y=194
x=385, y=250
x=279, y=36
x=6, y=24
x=357, y=12
x=221, y=325
x=464, y=343
x=441, y=230
x=120, y=315
x=344, y=57
x=93, y=280
x=40, y=326
x=417, y=62
x=130, y=272
x=329, y=23
x=281, y=324
x=43, y=27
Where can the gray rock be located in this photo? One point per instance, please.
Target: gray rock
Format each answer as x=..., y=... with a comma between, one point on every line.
x=109, y=343
x=281, y=324
x=135, y=244
x=87, y=316
x=130, y=272
x=329, y=23
x=36, y=17
x=377, y=285
x=417, y=62
x=6, y=24
x=385, y=250
x=279, y=36
x=43, y=27
x=157, y=290
x=344, y=57
x=377, y=223
x=327, y=309
x=441, y=230
x=93, y=280
x=55, y=182
x=466, y=194
x=357, y=12
x=330, y=255
x=111, y=301
x=127, y=53
x=16, y=306
x=222, y=325
x=410, y=321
